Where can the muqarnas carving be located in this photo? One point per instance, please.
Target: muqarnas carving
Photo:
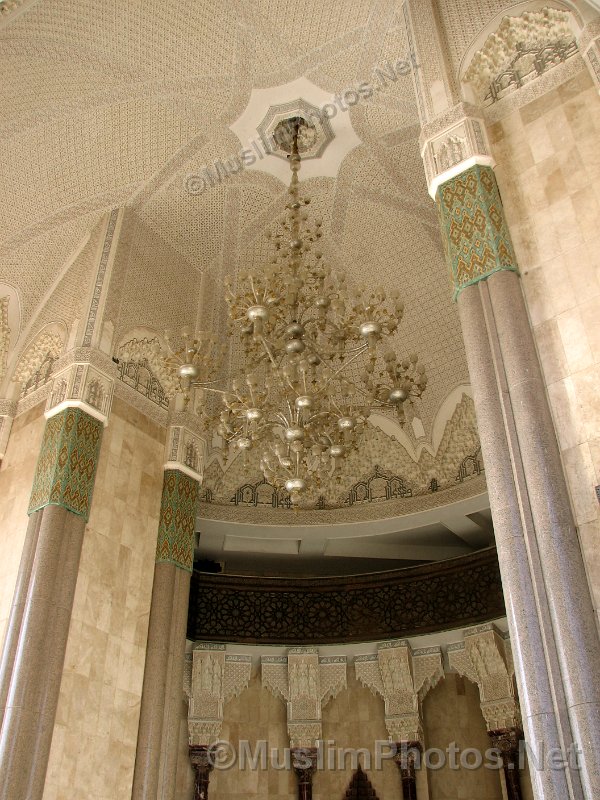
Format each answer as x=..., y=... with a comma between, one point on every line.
x=402, y=677
x=211, y=678
x=306, y=682
x=381, y=469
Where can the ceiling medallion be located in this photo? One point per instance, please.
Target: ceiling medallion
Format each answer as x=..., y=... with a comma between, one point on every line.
x=330, y=129
x=316, y=131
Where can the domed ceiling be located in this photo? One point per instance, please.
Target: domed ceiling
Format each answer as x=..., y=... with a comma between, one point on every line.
x=112, y=104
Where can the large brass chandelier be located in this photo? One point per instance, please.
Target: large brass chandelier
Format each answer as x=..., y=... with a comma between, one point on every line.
x=313, y=370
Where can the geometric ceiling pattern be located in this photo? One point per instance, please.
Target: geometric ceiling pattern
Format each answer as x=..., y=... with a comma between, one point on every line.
x=113, y=104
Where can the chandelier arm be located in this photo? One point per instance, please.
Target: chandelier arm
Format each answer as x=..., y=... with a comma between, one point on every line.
x=209, y=388
x=344, y=366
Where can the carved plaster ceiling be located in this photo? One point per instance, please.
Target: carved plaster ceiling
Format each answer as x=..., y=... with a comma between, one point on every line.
x=116, y=104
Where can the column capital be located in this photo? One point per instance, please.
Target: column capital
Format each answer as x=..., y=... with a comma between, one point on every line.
x=589, y=47
x=185, y=448
x=211, y=678
x=83, y=378
x=452, y=143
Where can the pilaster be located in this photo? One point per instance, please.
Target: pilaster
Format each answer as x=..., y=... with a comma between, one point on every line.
x=589, y=47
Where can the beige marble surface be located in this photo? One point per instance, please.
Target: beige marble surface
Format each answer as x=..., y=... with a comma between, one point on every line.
x=548, y=170
x=16, y=478
x=93, y=748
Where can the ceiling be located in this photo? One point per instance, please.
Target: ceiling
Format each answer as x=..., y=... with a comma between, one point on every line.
x=114, y=104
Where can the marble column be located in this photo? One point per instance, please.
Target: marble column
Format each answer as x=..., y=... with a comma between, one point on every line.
x=407, y=754
x=175, y=696
x=13, y=628
x=570, y=604
x=557, y=651
x=156, y=763
x=59, y=509
x=507, y=741
x=304, y=763
x=202, y=764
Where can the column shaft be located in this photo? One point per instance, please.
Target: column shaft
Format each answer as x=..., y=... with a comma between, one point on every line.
x=156, y=756
x=570, y=604
x=148, y=754
x=13, y=628
x=37, y=672
x=541, y=696
x=174, y=688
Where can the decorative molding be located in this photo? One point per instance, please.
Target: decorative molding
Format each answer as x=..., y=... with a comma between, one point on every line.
x=402, y=678
x=452, y=143
x=177, y=521
x=91, y=334
x=385, y=605
x=476, y=237
x=66, y=467
x=142, y=368
x=263, y=514
x=146, y=407
x=306, y=682
x=534, y=90
x=4, y=335
x=81, y=385
x=214, y=678
x=482, y=658
x=186, y=445
x=7, y=415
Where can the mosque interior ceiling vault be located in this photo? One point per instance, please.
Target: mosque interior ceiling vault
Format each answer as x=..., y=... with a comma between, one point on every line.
x=149, y=108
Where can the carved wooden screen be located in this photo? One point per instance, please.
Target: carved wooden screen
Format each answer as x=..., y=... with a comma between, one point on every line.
x=360, y=787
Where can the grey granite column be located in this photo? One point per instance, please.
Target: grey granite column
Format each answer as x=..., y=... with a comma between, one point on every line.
x=59, y=505
x=37, y=672
x=570, y=604
x=174, y=690
x=540, y=688
x=13, y=628
x=156, y=755
x=154, y=691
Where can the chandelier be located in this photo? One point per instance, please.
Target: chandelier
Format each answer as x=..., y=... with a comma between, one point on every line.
x=313, y=371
